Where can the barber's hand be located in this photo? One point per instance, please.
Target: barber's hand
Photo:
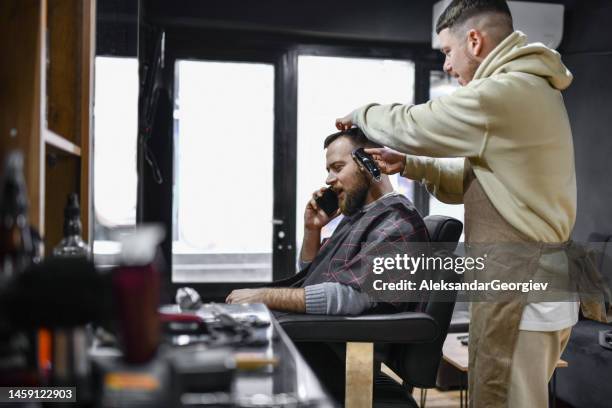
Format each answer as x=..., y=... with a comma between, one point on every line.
x=246, y=296
x=345, y=123
x=389, y=161
x=314, y=217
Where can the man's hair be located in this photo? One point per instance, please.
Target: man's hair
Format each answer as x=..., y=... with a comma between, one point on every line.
x=460, y=11
x=355, y=135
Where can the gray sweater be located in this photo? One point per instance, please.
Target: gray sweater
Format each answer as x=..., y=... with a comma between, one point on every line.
x=333, y=298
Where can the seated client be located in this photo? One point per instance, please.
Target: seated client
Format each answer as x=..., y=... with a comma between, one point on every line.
x=331, y=272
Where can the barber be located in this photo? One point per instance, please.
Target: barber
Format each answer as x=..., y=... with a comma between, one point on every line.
x=509, y=129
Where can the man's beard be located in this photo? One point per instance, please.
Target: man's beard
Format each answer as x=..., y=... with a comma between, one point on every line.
x=355, y=199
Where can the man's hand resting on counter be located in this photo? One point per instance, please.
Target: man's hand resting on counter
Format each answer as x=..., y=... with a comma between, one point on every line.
x=285, y=299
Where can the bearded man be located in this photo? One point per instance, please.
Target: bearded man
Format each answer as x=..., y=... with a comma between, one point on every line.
x=333, y=271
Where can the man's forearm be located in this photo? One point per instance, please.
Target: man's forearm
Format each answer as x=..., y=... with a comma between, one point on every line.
x=310, y=245
x=285, y=299
x=442, y=177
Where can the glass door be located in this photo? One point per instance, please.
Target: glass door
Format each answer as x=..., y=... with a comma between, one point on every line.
x=332, y=86
x=223, y=180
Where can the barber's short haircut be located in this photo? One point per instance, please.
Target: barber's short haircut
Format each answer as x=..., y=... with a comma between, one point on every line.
x=459, y=12
x=355, y=135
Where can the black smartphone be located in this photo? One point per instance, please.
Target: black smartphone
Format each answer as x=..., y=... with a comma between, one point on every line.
x=328, y=202
x=366, y=161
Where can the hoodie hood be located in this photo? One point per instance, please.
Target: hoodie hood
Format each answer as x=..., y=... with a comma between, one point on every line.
x=515, y=55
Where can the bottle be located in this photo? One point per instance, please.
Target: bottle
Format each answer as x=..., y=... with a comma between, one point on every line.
x=69, y=350
x=18, y=350
x=72, y=245
x=17, y=248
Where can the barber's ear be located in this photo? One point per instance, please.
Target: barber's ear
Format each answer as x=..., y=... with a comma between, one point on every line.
x=475, y=42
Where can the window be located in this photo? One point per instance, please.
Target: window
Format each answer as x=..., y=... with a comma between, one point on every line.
x=332, y=86
x=223, y=186
x=223, y=214
x=115, y=134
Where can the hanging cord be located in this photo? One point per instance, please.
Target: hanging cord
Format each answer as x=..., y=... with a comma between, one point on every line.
x=152, y=88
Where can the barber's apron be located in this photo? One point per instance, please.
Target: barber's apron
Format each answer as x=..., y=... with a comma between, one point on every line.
x=494, y=326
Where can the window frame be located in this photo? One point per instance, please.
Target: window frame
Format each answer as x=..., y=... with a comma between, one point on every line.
x=188, y=43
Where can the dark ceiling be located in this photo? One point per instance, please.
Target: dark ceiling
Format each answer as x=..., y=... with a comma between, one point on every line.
x=587, y=23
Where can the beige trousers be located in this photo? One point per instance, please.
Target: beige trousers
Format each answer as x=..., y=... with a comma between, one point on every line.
x=533, y=364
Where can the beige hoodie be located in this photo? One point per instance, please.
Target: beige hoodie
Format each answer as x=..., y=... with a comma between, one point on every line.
x=510, y=122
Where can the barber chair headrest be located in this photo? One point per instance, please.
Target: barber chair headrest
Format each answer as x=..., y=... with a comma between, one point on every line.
x=443, y=229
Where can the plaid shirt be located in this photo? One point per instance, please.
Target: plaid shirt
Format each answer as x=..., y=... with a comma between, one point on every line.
x=391, y=220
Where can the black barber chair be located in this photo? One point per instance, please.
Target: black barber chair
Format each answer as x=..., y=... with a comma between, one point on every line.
x=415, y=339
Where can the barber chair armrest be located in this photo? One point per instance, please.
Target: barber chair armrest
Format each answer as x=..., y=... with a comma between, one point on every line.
x=407, y=327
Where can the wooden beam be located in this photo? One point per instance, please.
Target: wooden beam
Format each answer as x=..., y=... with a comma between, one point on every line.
x=70, y=90
x=63, y=74
x=88, y=51
x=359, y=375
x=22, y=100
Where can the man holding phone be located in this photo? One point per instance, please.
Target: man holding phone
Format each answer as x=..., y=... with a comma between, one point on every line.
x=332, y=272
x=374, y=215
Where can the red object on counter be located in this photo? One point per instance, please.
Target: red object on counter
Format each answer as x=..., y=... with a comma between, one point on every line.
x=136, y=292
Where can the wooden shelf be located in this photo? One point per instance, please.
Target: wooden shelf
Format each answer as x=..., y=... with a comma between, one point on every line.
x=48, y=84
x=46, y=103
x=61, y=143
